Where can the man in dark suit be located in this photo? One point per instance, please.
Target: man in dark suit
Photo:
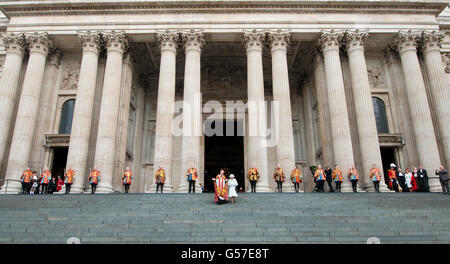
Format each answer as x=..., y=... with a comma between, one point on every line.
x=443, y=178
x=329, y=179
x=423, y=179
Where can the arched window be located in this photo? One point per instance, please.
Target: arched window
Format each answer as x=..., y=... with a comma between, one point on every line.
x=65, y=123
x=380, y=115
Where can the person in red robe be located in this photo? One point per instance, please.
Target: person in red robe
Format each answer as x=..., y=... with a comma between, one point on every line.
x=59, y=184
x=220, y=188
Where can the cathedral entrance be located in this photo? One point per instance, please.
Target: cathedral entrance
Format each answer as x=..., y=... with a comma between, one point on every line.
x=387, y=157
x=225, y=152
x=59, y=162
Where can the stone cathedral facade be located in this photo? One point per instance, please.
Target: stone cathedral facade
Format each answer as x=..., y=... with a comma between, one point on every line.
x=94, y=83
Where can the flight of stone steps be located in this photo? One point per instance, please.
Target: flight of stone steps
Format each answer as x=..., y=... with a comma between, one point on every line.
x=255, y=218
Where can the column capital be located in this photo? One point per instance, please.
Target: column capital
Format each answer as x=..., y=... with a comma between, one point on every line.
x=115, y=41
x=54, y=58
x=446, y=60
x=356, y=40
x=406, y=41
x=193, y=40
x=279, y=39
x=253, y=40
x=168, y=40
x=14, y=43
x=90, y=41
x=39, y=43
x=330, y=40
x=431, y=40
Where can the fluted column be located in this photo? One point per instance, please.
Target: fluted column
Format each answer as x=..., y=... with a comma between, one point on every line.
x=39, y=45
x=84, y=103
x=9, y=82
x=165, y=107
x=440, y=91
x=279, y=42
x=105, y=150
x=323, y=109
x=257, y=150
x=406, y=43
x=329, y=42
x=365, y=115
x=192, y=117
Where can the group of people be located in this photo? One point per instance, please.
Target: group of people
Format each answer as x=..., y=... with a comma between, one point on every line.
x=415, y=180
x=44, y=184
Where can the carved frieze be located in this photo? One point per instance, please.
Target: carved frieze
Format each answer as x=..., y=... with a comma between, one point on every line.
x=70, y=76
x=375, y=74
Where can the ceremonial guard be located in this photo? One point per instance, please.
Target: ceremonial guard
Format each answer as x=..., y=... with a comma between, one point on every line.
x=329, y=178
x=319, y=176
x=127, y=178
x=353, y=177
x=192, y=176
x=423, y=179
x=160, y=178
x=393, y=178
x=25, y=179
x=46, y=177
x=279, y=177
x=220, y=188
x=253, y=177
x=443, y=178
x=337, y=177
x=374, y=174
x=94, y=179
x=296, y=177
x=68, y=179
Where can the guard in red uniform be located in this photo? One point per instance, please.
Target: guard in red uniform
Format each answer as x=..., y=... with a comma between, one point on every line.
x=25, y=179
x=392, y=173
x=68, y=179
x=127, y=178
x=46, y=177
x=94, y=178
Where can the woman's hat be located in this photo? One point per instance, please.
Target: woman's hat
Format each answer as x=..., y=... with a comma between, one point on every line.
x=393, y=165
x=231, y=175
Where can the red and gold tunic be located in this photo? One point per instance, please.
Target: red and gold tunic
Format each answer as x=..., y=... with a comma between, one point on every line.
x=192, y=174
x=220, y=188
x=278, y=175
x=160, y=176
x=69, y=176
x=337, y=175
x=296, y=175
x=374, y=174
x=26, y=176
x=253, y=174
x=353, y=174
x=127, y=177
x=392, y=174
x=46, y=177
x=94, y=177
x=319, y=174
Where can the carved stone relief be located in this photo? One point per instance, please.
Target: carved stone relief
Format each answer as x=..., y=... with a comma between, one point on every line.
x=70, y=76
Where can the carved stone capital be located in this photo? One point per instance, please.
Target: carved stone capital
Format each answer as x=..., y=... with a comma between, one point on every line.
x=446, y=60
x=391, y=53
x=193, y=40
x=431, y=40
x=406, y=41
x=167, y=41
x=90, y=41
x=115, y=41
x=14, y=43
x=355, y=40
x=254, y=40
x=54, y=58
x=279, y=40
x=39, y=43
x=330, y=40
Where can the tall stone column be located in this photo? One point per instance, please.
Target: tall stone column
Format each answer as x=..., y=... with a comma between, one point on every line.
x=439, y=87
x=9, y=82
x=279, y=42
x=192, y=117
x=427, y=148
x=365, y=115
x=329, y=42
x=39, y=45
x=323, y=109
x=105, y=150
x=257, y=149
x=84, y=103
x=165, y=107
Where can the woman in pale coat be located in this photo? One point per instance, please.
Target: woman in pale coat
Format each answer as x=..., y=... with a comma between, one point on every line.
x=232, y=184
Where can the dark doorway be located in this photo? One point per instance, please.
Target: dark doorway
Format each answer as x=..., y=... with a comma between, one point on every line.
x=387, y=157
x=224, y=152
x=59, y=162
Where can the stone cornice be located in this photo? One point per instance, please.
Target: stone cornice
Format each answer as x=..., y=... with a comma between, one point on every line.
x=46, y=8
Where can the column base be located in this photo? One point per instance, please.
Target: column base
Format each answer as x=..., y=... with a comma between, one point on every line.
x=106, y=188
x=262, y=188
x=11, y=188
x=434, y=184
x=383, y=188
x=167, y=189
x=288, y=187
x=76, y=189
x=184, y=188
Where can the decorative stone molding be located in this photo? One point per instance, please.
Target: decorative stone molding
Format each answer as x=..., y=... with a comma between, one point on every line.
x=90, y=41
x=193, y=40
x=168, y=40
x=375, y=76
x=279, y=39
x=115, y=41
x=446, y=60
x=71, y=76
x=330, y=40
x=54, y=58
x=254, y=40
x=40, y=43
x=431, y=40
x=356, y=40
x=14, y=43
x=406, y=41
